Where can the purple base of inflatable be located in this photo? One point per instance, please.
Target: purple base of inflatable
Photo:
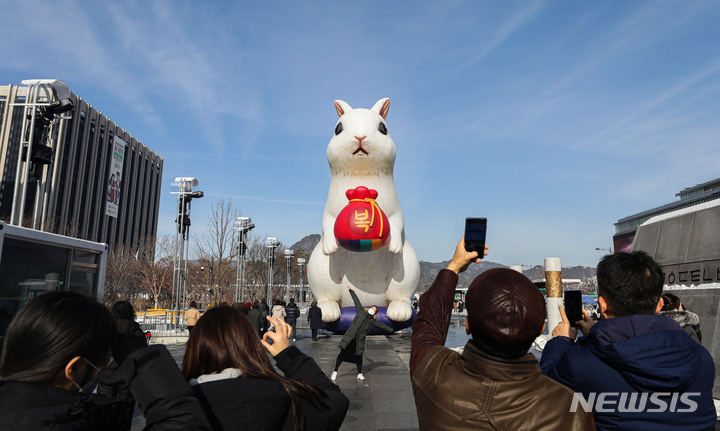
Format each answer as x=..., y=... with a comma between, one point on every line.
x=347, y=314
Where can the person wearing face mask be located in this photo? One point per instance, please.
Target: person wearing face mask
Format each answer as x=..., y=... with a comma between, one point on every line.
x=352, y=344
x=53, y=354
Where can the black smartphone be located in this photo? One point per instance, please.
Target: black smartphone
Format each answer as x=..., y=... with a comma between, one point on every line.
x=475, y=229
x=573, y=305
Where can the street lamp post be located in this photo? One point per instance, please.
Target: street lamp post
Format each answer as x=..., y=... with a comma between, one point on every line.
x=289, y=254
x=271, y=244
x=182, y=234
x=301, y=263
x=213, y=294
x=244, y=226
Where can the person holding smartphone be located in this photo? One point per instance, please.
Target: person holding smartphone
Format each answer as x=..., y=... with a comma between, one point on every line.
x=633, y=353
x=494, y=383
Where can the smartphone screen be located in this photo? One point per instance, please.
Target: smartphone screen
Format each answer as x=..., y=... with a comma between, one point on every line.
x=475, y=229
x=573, y=305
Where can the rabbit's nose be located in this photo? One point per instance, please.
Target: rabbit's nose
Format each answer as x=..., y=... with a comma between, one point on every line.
x=360, y=138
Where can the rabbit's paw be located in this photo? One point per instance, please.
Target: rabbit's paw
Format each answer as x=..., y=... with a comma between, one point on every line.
x=399, y=310
x=329, y=245
x=395, y=246
x=330, y=310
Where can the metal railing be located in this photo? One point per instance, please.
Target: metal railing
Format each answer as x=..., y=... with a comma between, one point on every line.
x=162, y=322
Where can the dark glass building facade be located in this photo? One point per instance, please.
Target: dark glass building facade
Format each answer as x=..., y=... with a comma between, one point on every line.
x=84, y=200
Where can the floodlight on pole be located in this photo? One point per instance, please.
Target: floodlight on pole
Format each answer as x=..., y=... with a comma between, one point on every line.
x=289, y=254
x=244, y=225
x=271, y=243
x=182, y=220
x=45, y=101
x=301, y=262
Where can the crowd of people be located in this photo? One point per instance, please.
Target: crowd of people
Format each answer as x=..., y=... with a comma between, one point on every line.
x=641, y=366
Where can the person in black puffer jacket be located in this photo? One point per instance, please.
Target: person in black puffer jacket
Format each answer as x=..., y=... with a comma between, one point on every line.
x=53, y=351
x=292, y=313
x=111, y=383
x=228, y=367
x=256, y=317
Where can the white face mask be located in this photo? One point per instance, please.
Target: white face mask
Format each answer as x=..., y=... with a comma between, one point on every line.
x=89, y=387
x=371, y=311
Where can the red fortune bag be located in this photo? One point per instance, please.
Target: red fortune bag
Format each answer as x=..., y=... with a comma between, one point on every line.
x=361, y=225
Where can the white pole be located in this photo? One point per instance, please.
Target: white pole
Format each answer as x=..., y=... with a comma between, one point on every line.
x=554, y=291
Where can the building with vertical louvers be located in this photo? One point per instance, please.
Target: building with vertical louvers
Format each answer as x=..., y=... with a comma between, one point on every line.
x=87, y=177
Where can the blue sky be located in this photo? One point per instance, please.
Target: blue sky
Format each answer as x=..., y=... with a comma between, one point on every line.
x=553, y=119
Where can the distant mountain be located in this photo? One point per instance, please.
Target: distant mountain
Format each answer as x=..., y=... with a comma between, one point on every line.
x=307, y=244
x=429, y=270
x=581, y=272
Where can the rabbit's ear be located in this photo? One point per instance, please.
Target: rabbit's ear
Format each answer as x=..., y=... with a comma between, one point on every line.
x=382, y=107
x=342, y=107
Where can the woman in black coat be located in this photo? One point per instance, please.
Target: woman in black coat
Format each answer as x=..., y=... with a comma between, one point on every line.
x=352, y=344
x=228, y=367
x=314, y=318
x=53, y=351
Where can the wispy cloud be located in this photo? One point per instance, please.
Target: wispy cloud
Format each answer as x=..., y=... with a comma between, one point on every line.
x=277, y=201
x=509, y=26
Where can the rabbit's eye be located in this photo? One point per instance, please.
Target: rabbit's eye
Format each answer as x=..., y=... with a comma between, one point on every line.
x=382, y=128
x=338, y=129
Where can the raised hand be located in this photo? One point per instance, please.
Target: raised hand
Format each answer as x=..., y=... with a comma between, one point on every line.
x=280, y=337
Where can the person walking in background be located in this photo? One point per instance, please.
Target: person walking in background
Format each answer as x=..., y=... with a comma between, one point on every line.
x=255, y=316
x=494, y=384
x=292, y=313
x=111, y=383
x=634, y=352
x=53, y=352
x=352, y=344
x=265, y=314
x=231, y=374
x=314, y=318
x=191, y=316
x=277, y=311
x=688, y=321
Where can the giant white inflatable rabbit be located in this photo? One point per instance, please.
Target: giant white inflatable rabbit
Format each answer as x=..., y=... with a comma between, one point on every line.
x=362, y=153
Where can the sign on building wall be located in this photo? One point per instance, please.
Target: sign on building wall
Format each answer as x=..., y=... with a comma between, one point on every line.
x=115, y=180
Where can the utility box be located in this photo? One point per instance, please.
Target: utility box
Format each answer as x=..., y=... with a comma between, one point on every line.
x=33, y=262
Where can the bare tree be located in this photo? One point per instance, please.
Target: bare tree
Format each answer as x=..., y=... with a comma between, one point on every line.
x=155, y=268
x=216, y=248
x=257, y=270
x=120, y=274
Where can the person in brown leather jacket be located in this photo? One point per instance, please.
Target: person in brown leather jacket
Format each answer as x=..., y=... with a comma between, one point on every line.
x=494, y=384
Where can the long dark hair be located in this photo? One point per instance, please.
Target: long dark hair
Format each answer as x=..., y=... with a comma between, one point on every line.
x=670, y=302
x=123, y=310
x=225, y=338
x=51, y=330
